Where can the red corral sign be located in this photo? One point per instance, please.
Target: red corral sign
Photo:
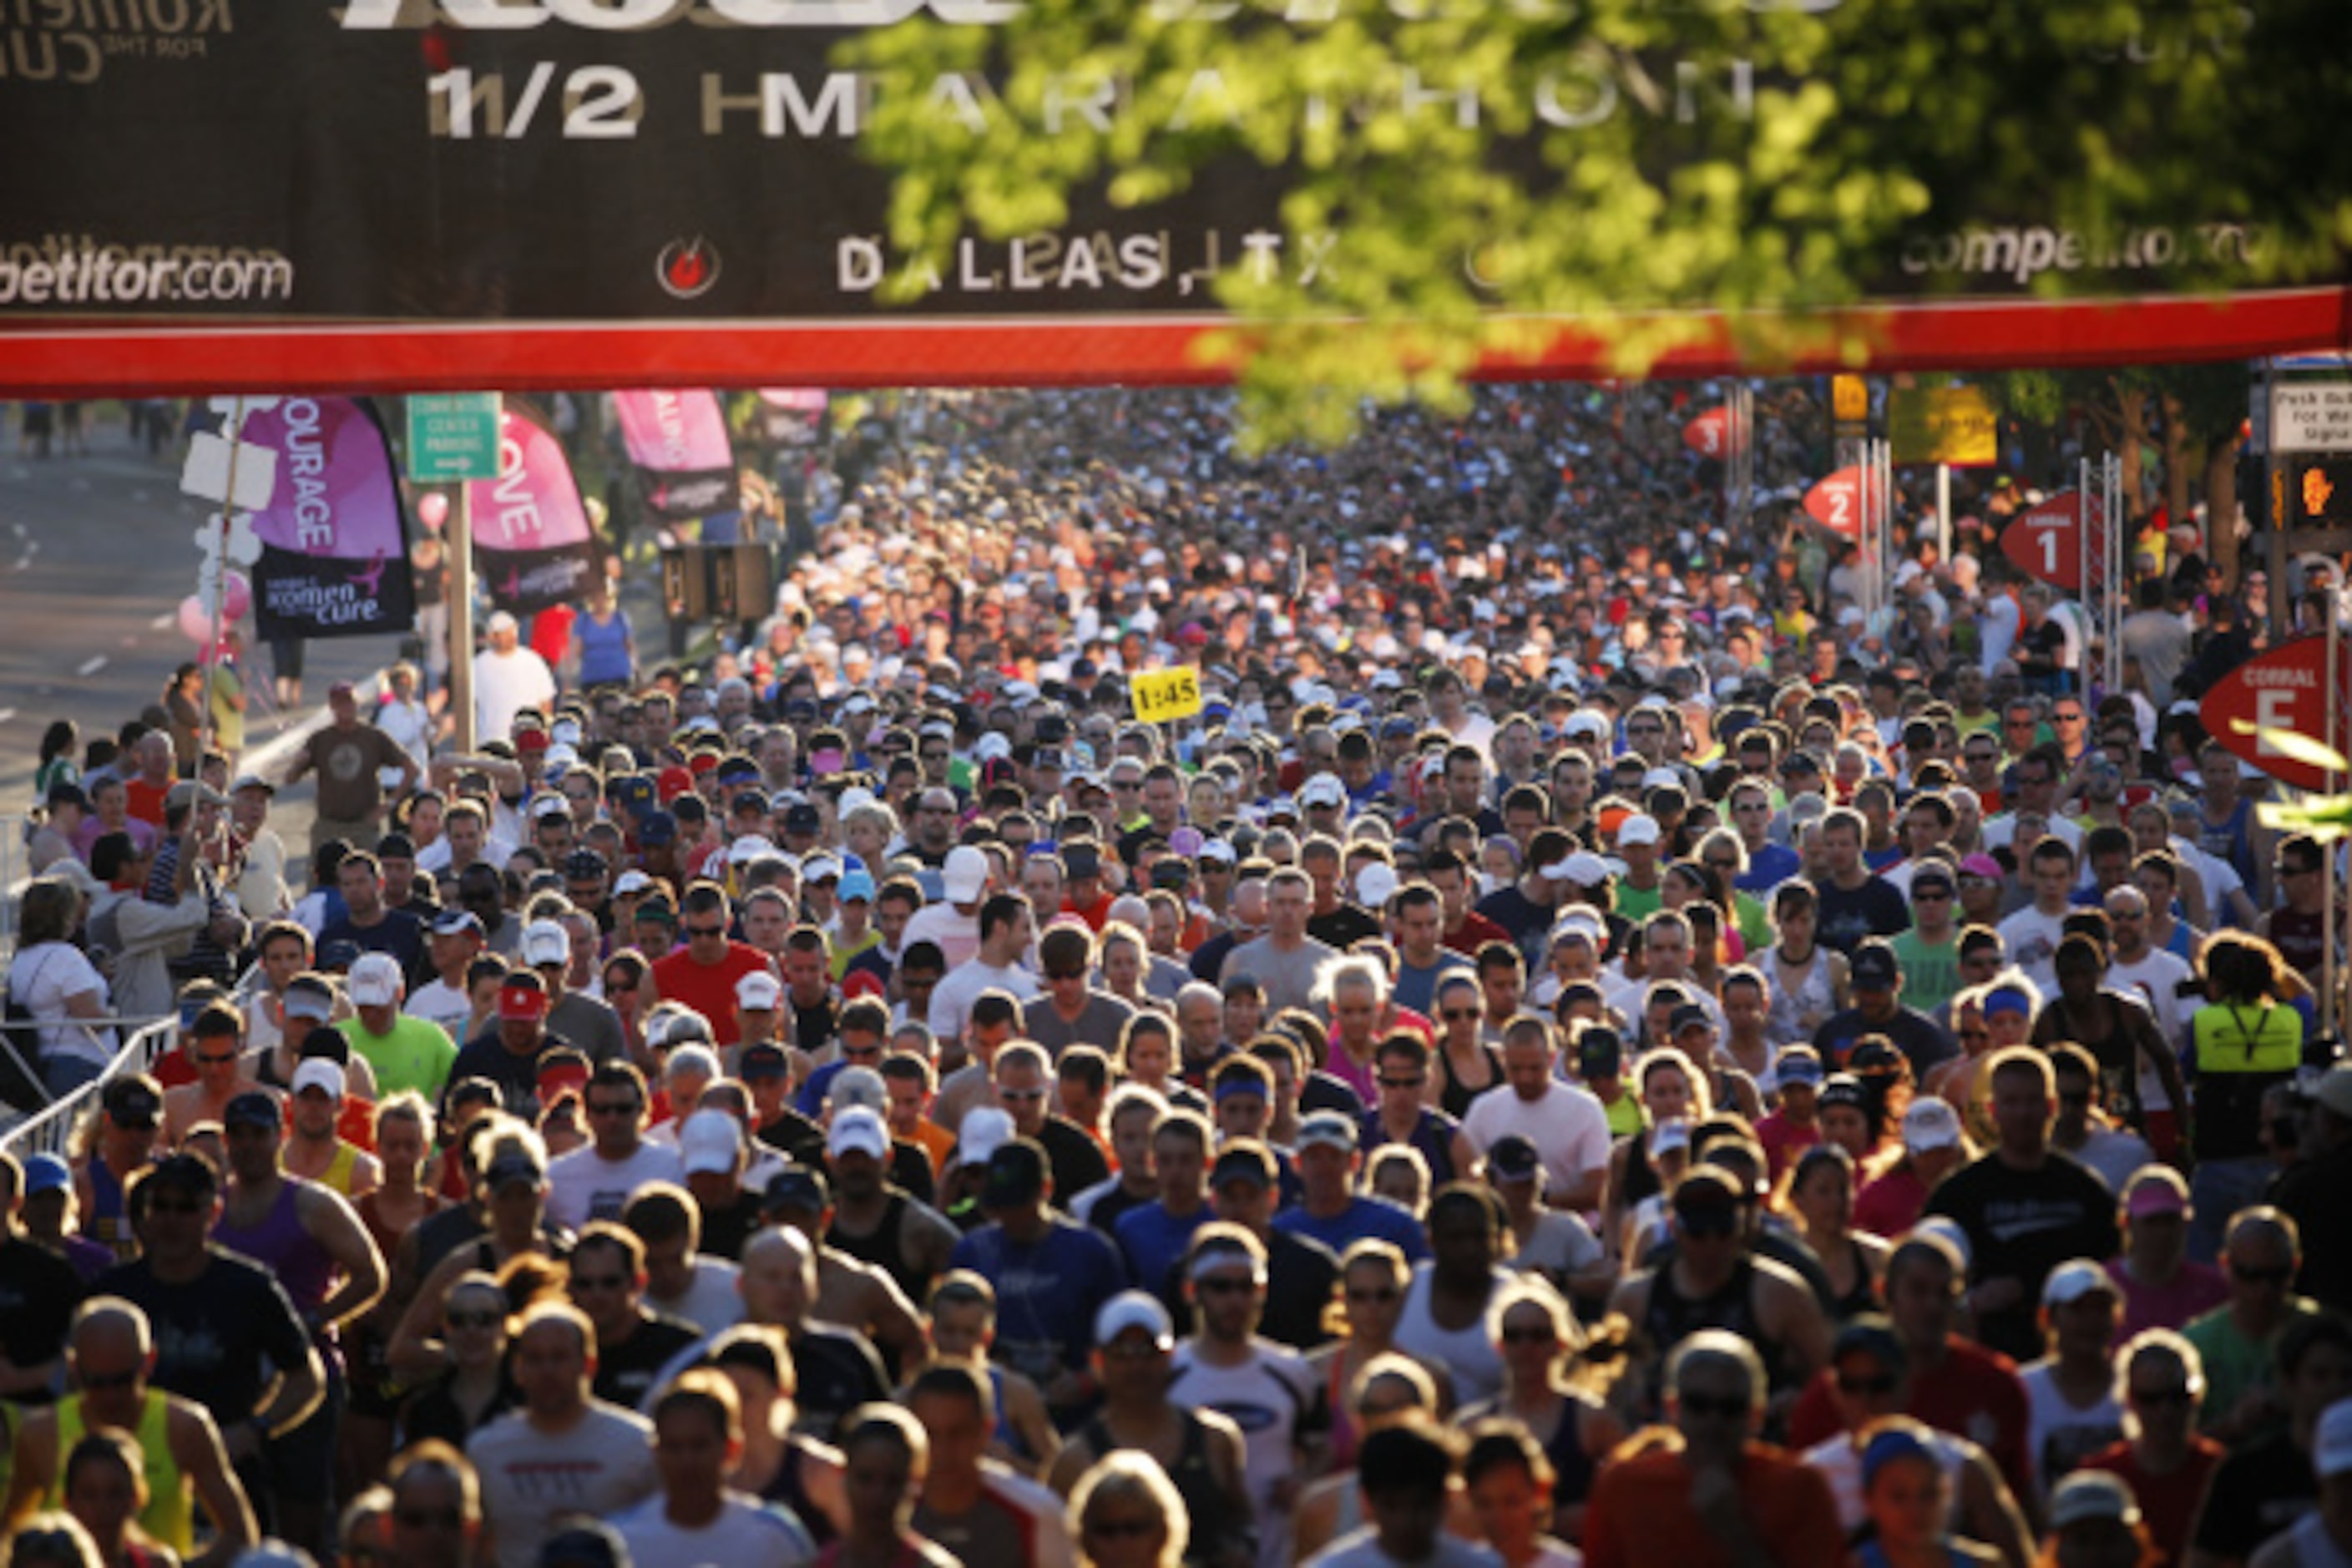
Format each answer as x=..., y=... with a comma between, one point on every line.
x=2045, y=541
x=1836, y=502
x=1709, y=435
x=2285, y=688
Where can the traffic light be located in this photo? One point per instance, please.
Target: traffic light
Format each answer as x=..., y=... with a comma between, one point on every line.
x=2320, y=492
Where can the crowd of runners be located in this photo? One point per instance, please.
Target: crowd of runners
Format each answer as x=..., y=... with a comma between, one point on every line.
x=1615, y=1031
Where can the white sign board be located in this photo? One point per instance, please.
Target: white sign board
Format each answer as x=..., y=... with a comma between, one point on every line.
x=2312, y=416
x=207, y=471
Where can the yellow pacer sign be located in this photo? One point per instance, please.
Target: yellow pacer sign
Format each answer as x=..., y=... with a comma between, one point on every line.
x=1159, y=695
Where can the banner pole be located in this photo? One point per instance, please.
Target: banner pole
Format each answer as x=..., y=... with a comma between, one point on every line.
x=1944, y=512
x=204, y=729
x=461, y=616
x=1888, y=542
x=2328, y=846
x=2118, y=570
x=2085, y=567
x=1867, y=526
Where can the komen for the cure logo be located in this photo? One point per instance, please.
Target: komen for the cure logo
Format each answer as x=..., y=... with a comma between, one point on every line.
x=687, y=268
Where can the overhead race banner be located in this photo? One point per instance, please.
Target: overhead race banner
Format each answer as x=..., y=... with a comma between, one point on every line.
x=533, y=544
x=678, y=441
x=334, y=550
x=670, y=193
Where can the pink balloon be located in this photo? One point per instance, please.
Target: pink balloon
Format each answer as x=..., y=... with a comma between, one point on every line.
x=236, y=597
x=432, y=508
x=195, y=623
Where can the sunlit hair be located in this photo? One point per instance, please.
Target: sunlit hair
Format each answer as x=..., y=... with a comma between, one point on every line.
x=1126, y=1476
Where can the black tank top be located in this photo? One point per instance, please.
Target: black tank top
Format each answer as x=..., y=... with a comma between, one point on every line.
x=1672, y=1317
x=2118, y=1059
x=1863, y=1296
x=1456, y=1096
x=1205, y=1499
x=787, y=1487
x=1641, y=1176
x=1572, y=1468
x=882, y=1249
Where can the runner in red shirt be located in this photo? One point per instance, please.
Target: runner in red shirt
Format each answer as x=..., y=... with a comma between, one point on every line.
x=702, y=974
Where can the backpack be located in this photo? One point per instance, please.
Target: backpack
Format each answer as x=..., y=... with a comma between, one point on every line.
x=20, y=1052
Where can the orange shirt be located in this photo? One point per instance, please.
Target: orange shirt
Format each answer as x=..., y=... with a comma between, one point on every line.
x=1640, y=1514
x=934, y=1141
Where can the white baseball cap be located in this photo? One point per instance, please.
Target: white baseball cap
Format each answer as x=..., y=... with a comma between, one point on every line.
x=318, y=1072
x=759, y=991
x=710, y=1142
x=857, y=1129
x=2073, y=1280
x=984, y=1130
x=1587, y=869
x=1131, y=1310
x=1639, y=828
x=964, y=875
x=1930, y=1123
x=374, y=980
x=546, y=942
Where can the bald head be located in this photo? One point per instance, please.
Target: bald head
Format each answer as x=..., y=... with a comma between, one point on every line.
x=108, y=1321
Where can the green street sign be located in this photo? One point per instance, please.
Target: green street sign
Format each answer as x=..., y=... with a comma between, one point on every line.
x=453, y=435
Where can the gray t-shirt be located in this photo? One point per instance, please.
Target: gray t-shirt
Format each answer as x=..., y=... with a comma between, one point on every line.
x=1416, y=988
x=1098, y=1025
x=589, y=1023
x=1288, y=977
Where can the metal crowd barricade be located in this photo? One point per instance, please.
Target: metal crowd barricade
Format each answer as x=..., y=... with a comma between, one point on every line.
x=47, y=1131
x=15, y=871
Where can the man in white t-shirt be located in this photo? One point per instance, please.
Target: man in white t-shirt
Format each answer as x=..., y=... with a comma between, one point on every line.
x=2030, y=935
x=595, y=1180
x=508, y=678
x=562, y=1452
x=1568, y=1125
x=2033, y=793
x=696, y=1517
x=1007, y=927
x=681, y=1280
x=953, y=922
x=2150, y=974
x=2154, y=975
x=452, y=942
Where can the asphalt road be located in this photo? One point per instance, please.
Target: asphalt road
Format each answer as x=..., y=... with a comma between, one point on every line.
x=95, y=554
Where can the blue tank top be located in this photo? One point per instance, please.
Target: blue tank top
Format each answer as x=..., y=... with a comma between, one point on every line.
x=107, y=1221
x=1006, y=1432
x=2229, y=840
x=603, y=649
